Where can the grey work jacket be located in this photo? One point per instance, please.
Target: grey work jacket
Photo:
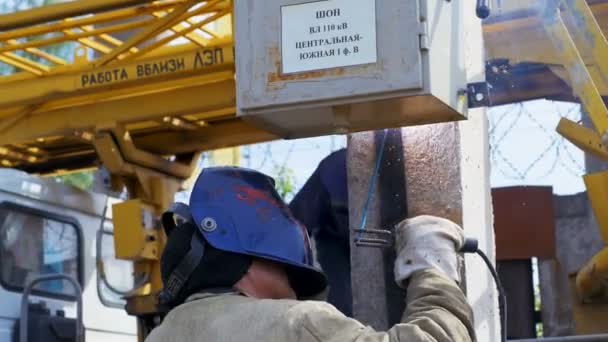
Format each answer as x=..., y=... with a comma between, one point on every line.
x=437, y=310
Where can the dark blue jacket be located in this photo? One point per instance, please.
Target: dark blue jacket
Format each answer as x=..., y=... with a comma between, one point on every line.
x=322, y=206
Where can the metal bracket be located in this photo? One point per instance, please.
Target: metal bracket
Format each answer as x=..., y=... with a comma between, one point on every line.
x=378, y=238
x=478, y=94
x=424, y=36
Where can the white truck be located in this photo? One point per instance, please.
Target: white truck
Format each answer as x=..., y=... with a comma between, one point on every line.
x=51, y=228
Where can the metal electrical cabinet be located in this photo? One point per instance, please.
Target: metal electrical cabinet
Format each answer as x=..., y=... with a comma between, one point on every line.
x=307, y=68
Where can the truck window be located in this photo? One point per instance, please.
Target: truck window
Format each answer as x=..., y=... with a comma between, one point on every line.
x=119, y=273
x=33, y=243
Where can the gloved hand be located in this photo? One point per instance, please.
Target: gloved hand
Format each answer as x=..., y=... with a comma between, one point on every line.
x=425, y=242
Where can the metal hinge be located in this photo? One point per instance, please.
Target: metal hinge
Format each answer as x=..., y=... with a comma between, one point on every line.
x=423, y=35
x=478, y=94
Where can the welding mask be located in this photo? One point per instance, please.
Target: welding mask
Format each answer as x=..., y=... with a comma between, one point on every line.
x=238, y=211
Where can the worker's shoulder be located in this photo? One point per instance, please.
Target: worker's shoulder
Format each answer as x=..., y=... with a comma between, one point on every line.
x=286, y=310
x=244, y=306
x=213, y=316
x=290, y=309
x=316, y=314
x=311, y=306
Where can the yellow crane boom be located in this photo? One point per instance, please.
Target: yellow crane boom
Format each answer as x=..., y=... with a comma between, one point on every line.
x=171, y=84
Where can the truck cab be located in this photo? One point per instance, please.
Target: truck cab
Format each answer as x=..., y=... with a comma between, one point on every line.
x=47, y=227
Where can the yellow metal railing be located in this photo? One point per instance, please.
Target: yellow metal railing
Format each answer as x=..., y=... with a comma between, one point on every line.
x=163, y=70
x=585, y=37
x=150, y=25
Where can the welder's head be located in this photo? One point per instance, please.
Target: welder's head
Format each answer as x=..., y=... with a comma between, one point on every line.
x=234, y=216
x=217, y=269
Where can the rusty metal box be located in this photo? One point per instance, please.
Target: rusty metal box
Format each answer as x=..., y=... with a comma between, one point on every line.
x=308, y=68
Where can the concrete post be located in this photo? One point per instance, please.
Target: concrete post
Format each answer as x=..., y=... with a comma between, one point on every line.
x=377, y=300
x=446, y=172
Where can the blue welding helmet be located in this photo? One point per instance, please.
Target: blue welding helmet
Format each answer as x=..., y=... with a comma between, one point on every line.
x=238, y=210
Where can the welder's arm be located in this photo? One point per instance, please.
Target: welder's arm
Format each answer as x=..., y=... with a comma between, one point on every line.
x=428, y=259
x=437, y=310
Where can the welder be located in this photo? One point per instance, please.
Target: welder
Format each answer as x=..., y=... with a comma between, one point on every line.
x=237, y=263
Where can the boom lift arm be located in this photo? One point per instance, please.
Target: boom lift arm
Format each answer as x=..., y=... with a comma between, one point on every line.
x=147, y=105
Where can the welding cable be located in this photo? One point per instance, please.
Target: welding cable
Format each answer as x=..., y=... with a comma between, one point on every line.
x=472, y=246
x=483, y=9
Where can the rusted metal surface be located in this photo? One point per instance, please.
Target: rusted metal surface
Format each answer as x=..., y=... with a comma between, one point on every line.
x=524, y=222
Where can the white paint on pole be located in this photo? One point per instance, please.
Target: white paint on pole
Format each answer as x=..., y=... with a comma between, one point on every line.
x=328, y=34
x=476, y=193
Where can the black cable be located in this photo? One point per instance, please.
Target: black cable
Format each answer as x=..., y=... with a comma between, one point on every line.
x=483, y=9
x=501, y=294
x=472, y=246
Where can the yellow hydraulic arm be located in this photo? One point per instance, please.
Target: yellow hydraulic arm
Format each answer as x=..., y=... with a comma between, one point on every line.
x=170, y=85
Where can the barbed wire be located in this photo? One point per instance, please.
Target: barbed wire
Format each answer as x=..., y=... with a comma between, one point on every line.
x=526, y=149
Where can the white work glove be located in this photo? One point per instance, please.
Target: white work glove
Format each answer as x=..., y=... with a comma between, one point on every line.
x=425, y=242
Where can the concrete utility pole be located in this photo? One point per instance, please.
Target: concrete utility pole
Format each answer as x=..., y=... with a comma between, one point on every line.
x=419, y=174
x=376, y=298
x=440, y=169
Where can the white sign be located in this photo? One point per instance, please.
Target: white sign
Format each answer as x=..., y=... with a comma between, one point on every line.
x=328, y=34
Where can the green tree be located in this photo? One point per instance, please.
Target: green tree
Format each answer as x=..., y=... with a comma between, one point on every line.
x=82, y=180
x=285, y=182
x=63, y=50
